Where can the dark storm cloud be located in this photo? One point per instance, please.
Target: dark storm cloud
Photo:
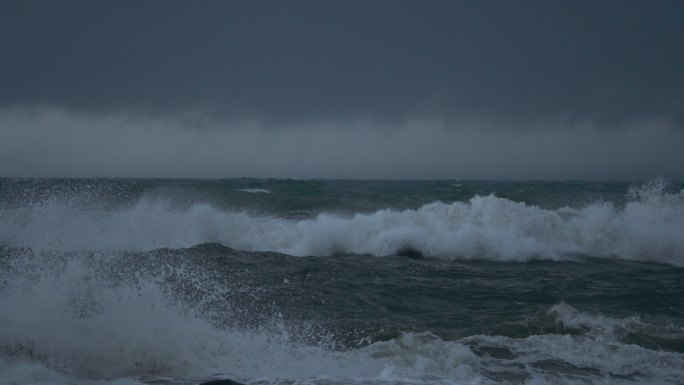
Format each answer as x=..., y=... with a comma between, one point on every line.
x=342, y=89
x=295, y=61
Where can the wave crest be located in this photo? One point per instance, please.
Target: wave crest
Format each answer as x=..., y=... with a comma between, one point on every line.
x=647, y=228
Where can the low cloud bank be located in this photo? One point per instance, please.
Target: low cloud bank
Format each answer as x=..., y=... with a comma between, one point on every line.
x=52, y=142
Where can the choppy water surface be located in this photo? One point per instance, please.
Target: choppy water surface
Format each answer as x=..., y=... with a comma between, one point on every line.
x=339, y=282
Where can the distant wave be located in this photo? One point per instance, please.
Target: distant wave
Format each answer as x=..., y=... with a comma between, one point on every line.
x=648, y=227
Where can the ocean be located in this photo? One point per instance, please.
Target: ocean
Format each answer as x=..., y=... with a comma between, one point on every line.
x=179, y=282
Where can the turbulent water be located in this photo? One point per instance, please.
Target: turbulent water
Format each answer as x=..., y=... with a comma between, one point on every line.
x=340, y=282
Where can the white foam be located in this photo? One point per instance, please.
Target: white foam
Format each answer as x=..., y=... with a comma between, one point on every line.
x=598, y=347
x=647, y=228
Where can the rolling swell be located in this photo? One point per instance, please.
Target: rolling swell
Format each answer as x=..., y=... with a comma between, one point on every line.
x=647, y=227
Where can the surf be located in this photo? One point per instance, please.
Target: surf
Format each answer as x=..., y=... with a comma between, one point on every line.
x=145, y=319
x=647, y=227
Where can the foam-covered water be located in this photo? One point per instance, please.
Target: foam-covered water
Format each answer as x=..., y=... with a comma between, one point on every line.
x=157, y=286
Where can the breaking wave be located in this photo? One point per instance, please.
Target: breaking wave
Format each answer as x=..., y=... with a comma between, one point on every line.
x=78, y=319
x=648, y=227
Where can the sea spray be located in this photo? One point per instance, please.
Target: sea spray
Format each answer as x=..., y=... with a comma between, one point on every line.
x=87, y=318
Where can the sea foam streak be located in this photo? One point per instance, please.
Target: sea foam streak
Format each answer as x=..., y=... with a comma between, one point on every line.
x=647, y=228
x=255, y=190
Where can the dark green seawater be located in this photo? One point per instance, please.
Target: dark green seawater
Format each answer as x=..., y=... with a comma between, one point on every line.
x=341, y=282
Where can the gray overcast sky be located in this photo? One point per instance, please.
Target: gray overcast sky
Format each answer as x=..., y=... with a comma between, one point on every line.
x=501, y=75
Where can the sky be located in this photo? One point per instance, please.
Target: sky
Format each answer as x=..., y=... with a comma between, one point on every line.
x=342, y=89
